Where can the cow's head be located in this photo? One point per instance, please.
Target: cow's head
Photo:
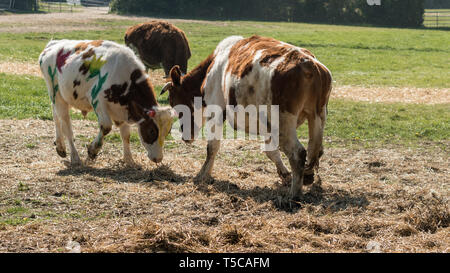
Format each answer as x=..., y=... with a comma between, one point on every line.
x=153, y=127
x=182, y=92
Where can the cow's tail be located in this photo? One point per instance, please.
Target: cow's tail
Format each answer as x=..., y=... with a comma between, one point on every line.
x=186, y=42
x=322, y=85
x=48, y=69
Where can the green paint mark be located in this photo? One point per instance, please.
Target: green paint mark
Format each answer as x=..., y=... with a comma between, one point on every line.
x=96, y=90
x=54, y=86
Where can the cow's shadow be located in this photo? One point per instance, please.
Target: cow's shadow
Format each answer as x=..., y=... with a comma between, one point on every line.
x=330, y=198
x=123, y=174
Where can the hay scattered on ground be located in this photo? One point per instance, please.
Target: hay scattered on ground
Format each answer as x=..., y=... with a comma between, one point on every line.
x=18, y=68
x=390, y=200
x=393, y=94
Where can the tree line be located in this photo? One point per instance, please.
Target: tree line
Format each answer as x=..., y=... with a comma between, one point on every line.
x=404, y=13
x=437, y=4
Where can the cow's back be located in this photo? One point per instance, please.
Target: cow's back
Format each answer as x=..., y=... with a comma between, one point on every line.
x=213, y=86
x=263, y=71
x=82, y=69
x=156, y=40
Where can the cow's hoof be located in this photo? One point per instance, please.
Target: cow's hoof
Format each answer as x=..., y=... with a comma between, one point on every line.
x=295, y=194
x=203, y=178
x=61, y=153
x=92, y=154
x=76, y=162
x=308, y=179
x=286, y=178
x=131, y=164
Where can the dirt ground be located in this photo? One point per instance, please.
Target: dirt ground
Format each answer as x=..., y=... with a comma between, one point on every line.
x=371, y=200
x=81, y=20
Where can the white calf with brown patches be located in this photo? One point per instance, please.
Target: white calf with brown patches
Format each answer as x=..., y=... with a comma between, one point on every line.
x=262, y=71
x=110, y=80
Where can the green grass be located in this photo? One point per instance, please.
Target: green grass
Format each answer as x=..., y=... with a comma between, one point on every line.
x=364, y=56
x=50, y=7
x=360, y=122
x=386, y=122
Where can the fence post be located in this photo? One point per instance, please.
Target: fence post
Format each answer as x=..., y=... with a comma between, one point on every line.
x=437, y=19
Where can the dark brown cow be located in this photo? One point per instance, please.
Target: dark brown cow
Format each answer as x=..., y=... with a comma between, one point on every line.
x=262, y=71
x=159, y=43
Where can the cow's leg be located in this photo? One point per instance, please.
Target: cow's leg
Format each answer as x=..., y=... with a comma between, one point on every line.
x=166, y=71
x=294, y=150
x=316, y=125
x=59, y=141
x=167, y=63
x=105, y=124
x=282, y=171
x=125, y=135
x=212, y=149
x=62, y=112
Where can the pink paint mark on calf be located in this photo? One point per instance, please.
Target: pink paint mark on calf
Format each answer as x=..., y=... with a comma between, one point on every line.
x=61, y=59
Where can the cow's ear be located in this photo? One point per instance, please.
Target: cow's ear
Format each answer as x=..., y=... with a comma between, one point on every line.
x=175, y=75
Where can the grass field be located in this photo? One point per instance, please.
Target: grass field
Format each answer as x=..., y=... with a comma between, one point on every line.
x=385, y=172
x=356, y=55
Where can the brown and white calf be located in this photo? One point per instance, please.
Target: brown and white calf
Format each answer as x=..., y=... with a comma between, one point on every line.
x=263, y=71
x=109, y=79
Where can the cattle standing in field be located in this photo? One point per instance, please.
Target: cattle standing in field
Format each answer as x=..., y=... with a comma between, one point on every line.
x=263, y=71
x=159, y=44
x=108, y=78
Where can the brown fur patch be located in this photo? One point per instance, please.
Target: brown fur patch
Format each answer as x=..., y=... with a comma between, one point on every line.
x=232, y=96
x=88, y=54
x=115, y=93
x=76, y=83
x=243, y=52
x=82, y=46
x=83, y=69
x=149, y=131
